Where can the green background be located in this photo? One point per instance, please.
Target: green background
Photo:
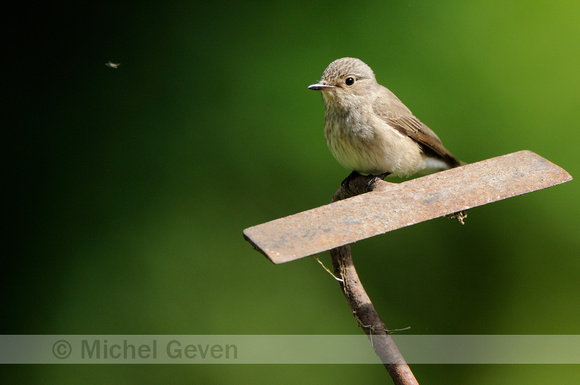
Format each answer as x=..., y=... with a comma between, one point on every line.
x=128, y=189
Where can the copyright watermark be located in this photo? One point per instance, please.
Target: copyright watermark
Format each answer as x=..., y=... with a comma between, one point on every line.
x=142, y=349
x=285, y=349
x=61, y=349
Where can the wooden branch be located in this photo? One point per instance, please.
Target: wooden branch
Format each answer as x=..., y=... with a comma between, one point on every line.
x=357, y=298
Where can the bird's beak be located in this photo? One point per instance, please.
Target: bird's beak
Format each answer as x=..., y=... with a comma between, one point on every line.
x=320, y=87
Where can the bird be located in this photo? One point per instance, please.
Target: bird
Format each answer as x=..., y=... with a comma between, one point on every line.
x=370, y=131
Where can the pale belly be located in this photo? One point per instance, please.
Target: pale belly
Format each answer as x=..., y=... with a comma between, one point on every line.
x=378, y=151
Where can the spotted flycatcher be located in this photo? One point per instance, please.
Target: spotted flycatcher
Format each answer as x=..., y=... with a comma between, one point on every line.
x=370, y=131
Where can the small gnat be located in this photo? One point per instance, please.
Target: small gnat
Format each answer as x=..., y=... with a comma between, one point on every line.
x=112, y=65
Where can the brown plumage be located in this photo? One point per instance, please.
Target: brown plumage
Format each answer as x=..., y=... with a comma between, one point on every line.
x=369, y=130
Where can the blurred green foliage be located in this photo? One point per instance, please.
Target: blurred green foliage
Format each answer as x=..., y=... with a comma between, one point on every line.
x=129, y=188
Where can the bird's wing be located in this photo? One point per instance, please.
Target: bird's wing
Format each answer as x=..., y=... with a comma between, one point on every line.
x=398, y=116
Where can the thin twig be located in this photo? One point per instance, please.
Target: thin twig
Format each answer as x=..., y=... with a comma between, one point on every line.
x=327, y=269
x=357, y=298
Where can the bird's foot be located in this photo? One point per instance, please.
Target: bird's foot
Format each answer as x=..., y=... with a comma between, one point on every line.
x=356, y=183
x=373, y=179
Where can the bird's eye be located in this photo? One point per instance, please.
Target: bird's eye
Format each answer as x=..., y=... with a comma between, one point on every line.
x=349, y=81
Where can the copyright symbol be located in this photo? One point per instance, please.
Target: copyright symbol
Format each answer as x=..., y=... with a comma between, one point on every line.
x=61, y=349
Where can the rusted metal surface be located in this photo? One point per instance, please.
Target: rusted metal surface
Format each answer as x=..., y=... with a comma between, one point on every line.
x=392, y=206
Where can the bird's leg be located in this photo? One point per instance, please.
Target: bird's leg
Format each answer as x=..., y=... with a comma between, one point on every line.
x=356, y=183
x=382, y=176
x=375, y=178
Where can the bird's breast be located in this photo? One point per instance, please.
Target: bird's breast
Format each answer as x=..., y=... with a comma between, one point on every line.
x=363, y=142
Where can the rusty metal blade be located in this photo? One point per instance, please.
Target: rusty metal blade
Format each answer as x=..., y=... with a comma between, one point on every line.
x=392, y=206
